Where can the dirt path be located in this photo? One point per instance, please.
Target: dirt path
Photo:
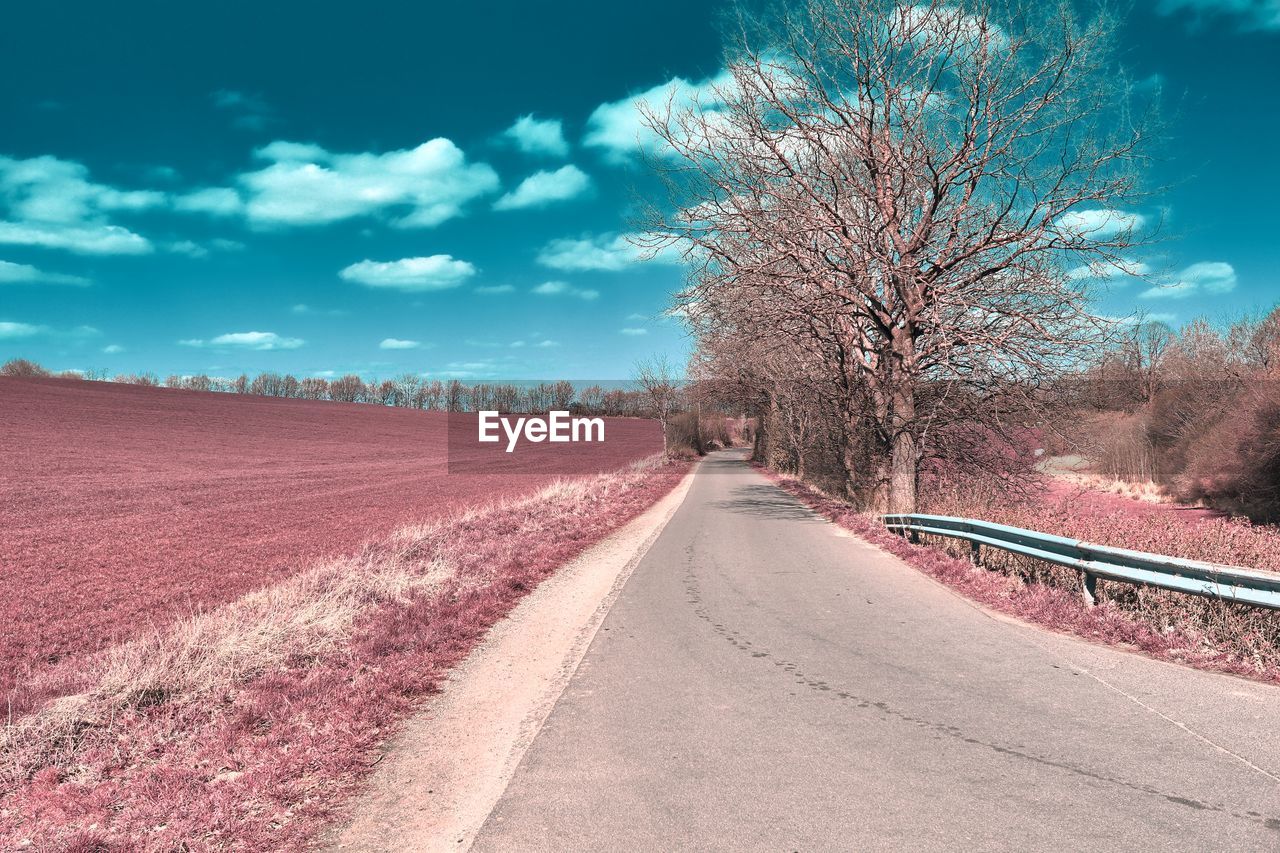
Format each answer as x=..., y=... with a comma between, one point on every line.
x=450, y=764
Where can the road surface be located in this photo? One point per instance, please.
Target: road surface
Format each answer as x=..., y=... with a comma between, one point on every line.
x=767, y=682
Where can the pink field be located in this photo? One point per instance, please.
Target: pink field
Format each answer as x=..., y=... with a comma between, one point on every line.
x=264, y=759
x=126, y=506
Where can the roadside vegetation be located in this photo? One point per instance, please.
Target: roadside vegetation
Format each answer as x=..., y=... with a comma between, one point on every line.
x=245, y=726
x=896, y=220
x=1193, y=412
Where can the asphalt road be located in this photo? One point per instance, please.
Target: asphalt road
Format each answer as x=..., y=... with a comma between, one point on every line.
x=767, y=682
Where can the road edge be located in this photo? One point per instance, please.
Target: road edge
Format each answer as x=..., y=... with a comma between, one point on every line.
x=448, y=767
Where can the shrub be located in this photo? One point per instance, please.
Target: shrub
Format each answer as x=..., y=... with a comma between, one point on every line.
x=683, y=435
x=1235, y=462
x=22, y=367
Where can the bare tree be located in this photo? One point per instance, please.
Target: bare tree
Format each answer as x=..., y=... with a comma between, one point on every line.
x=407, y=390
x=314, y=388
x=199, y=382
x=456, y=396
x=661, y=388
x=1149, y=343
x=907, y=187
x=347, y=389
x=591, y=398
x=562, y=394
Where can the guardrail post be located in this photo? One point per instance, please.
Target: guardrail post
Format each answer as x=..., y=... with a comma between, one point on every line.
x=1089, y=588
x=914, y=536
x=975, y=553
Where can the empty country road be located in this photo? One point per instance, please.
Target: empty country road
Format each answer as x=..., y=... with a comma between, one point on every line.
x=766, y=681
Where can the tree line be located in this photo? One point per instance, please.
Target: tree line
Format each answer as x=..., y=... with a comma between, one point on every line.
x=408, y=390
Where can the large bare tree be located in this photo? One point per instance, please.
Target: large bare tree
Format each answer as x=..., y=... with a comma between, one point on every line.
x=910, y=190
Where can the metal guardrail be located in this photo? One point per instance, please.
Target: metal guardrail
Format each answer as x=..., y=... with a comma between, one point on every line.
x=1228, y=583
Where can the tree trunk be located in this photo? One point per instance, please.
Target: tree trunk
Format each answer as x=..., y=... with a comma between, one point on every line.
x=904, y=447
x=904, y=469
x=776, y=454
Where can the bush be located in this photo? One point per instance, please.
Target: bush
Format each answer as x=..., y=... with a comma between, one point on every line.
x=22, y=367
x=683, y=436
x=1235, y=462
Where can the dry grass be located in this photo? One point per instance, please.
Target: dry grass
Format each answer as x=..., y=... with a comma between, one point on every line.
x=210, y=654
x=1079, y=472
x=175, y=719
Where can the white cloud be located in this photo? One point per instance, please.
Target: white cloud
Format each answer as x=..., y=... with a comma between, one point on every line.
x=190, y=248
x=47, y=189
x=619, y=129
x=419, y=187
x=538, y=136
x=83, y=240
x=434, y=272
x=494, y=289
x=1204, y=277
x=9, y=330
x=1170, y=290
x=603, y=252
x=543, y=188
x=1110, y=270
x=1256, y=14
x=247, y=340
x=397, y=343
x=113, y=349
x=52, y=203
x=563, y=288
x=215, y=201
x=1099, y=224
x=944, y=27
x=547, y=344
x=1213, y=276
x=12, y=273
x=634, y=332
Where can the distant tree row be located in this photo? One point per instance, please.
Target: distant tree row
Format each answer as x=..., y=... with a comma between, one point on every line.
x=408, y=391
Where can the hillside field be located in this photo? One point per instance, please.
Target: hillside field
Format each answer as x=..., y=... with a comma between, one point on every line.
x=126, y=506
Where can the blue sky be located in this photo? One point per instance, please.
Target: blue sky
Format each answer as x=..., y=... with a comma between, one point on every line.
x=438, y=188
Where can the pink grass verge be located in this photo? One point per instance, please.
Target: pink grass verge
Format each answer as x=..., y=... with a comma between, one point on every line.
x=1049, y=607
x=267, y=767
